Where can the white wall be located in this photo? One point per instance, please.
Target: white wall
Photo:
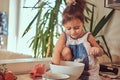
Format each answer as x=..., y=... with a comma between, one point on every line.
x=112, y=34
x=112, y=29
x=4, y=5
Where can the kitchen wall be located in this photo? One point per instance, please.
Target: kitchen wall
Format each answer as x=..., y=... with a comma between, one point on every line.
x=112, y=34
x=4, y=5
x=111, y=31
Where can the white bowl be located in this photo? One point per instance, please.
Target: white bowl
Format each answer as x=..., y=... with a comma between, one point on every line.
x=73, y=69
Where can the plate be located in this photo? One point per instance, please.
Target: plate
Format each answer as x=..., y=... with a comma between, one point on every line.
x=55, y=76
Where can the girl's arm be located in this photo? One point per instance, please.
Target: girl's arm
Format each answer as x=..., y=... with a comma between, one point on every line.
x=96, y=50
x=56, y=57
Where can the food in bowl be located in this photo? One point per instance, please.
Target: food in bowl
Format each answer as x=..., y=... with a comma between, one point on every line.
x=73, y=69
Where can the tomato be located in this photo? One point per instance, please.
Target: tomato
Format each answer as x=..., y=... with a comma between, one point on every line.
x=1, y=76
x=9, y=75
x=6, y=74
x=38, y=70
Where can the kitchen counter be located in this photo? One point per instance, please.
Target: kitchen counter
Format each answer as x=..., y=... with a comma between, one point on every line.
x=24, y=77
x=27, y=77
x=22, y=66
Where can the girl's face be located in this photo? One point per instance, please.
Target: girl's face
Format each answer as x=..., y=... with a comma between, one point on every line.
x=74, y=28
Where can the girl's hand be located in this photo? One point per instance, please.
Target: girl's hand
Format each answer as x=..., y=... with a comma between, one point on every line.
x=94, y=51
x=70, y=1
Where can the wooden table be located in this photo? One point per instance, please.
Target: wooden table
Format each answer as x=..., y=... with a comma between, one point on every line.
x=27, y=77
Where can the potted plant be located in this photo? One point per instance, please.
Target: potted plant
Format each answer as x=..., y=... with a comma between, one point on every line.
x=48, y=25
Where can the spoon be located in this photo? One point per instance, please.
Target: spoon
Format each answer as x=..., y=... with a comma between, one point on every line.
x=80, y=59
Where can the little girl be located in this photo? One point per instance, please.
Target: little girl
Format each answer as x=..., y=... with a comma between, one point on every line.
x=75, y=43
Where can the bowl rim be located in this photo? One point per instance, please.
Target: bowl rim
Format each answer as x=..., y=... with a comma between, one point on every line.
x=81, y=64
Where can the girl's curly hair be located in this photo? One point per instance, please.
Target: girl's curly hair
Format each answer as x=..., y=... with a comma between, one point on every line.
x=74, y=10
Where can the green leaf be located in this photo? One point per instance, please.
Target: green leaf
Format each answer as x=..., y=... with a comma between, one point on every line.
x=92, y=19
x=87, y=19
x=102, y=22
x=98, y=26
x=36, y=3
x=30, y=24
x=88, y=10
x=108, y=54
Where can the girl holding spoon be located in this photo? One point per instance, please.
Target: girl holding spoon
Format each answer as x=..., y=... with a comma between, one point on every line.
x=76, y=44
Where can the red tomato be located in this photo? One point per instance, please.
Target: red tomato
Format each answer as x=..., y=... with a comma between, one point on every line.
x=40, y=69
x=1, y=78
x=9, y=75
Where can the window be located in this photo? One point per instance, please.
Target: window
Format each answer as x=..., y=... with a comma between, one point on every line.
x=19, y=18
x=18, y=21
